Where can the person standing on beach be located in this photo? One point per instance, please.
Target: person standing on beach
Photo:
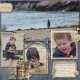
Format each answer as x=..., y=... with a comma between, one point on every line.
x=48, y=24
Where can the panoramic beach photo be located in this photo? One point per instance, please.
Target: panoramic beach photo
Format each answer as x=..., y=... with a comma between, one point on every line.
x=35, y=14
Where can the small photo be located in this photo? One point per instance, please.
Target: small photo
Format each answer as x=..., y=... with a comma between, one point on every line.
x=36, y=58
x=12, y=48
x=64, y=45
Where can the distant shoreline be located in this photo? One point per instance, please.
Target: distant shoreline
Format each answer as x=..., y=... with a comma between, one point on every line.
x=56, y=27
x=39, y=34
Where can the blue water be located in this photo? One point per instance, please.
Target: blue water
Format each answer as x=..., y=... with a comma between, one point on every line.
x=33, y=19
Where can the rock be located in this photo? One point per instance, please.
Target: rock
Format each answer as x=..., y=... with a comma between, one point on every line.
x=48, y=6
x=25, y=6
x=17, y=7
x=32, y=6
x=72, y=6
x=51, y=6
x=43, y=3
x=41, y=6
x=19, y=29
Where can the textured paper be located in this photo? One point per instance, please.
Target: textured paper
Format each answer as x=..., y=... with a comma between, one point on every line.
x=64, y=70
x=6, y=7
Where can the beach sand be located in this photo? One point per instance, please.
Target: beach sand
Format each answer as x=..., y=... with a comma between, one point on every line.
x=40, y=34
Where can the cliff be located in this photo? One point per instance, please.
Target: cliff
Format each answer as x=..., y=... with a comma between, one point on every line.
x=46, y=5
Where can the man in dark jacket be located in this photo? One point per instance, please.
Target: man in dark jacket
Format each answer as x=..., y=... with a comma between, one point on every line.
x=48, y=24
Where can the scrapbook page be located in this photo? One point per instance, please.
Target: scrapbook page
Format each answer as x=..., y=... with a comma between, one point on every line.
x=39, y=39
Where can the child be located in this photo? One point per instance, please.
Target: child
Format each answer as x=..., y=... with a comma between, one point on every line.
x=65, y=46
x=10, y=50
x=32, y=57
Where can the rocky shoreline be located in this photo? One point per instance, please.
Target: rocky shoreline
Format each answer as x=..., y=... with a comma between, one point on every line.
x=46, y=5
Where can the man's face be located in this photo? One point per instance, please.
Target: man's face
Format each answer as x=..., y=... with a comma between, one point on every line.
x=64, y=45
x=12, y=42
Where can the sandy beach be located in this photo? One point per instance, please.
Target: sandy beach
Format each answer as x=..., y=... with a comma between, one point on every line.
x=40, y=34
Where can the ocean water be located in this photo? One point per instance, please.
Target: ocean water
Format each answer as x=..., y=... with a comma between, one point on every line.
x=32, y=19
